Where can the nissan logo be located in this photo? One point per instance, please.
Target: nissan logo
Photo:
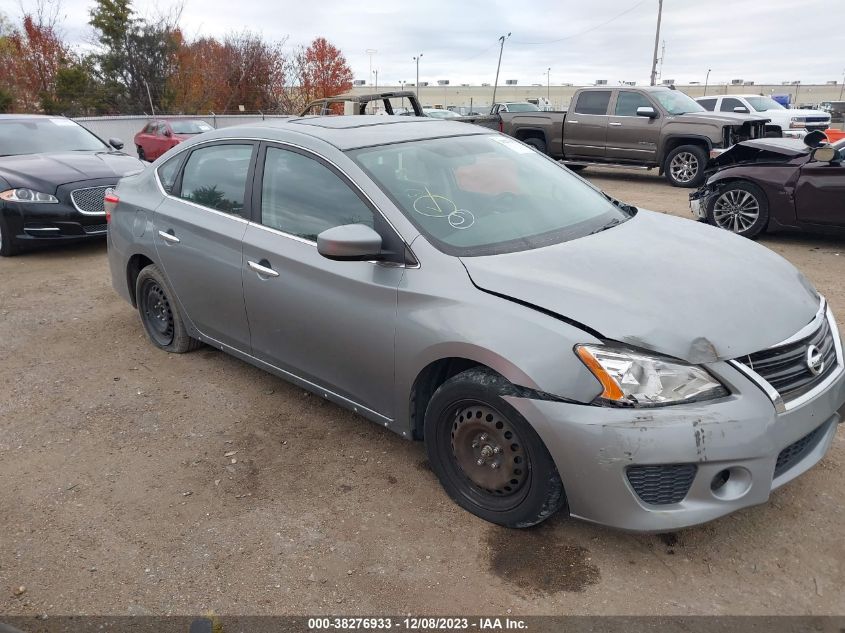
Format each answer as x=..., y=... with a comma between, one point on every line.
x=815, y=360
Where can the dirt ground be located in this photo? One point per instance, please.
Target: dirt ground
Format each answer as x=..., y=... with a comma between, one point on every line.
x=137, y=482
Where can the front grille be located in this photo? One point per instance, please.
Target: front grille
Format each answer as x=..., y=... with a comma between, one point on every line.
x=95, y=228
x=818, y=119
x=796, y=451
x=90, y=200
x=662, y=484
x=786, y=368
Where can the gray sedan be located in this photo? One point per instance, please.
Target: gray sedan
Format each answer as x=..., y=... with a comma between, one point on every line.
x=555, y=349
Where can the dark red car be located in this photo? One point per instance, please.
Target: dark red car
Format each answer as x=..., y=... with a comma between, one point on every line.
x=159, y=135
x=775, y=184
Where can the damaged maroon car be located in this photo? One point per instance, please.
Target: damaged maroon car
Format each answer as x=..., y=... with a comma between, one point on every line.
x=775, y=184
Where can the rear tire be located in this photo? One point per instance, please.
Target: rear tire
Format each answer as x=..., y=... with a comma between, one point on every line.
x=537, y=143
x=467, y=421
x=740, y=207
x=684, y=166
x=160, y=314
x=8, y=244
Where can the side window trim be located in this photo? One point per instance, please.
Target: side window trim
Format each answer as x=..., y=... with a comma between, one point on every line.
x=177, y=181
x=383, y=225
x=250, y=177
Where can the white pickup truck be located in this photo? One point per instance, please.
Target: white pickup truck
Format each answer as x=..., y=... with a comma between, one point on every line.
x=792, y=123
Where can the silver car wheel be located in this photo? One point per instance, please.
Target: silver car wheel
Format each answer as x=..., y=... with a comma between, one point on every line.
x=736, y=210
x=684, y=167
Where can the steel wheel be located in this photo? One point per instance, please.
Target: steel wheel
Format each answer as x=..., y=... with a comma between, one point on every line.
x=489, y=453
x=156, y=312
x=684, y=167
x=736, y=210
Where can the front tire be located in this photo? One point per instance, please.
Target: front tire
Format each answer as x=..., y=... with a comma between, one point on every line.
x=160, y=314
x=487, y=457
x=141, y=154
x=740, y=207
x=684, y=166
x=8, y=244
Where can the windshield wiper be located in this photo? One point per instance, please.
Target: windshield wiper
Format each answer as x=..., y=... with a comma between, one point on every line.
x=627, y=208
x=609, y=225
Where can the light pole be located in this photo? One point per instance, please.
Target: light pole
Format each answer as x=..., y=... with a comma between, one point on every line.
x=842, y=87
x=656, y=42
x=502, y=39
x=371, y=52
x=706, y=79
x=417, y=59
x=375, y=103
x=402, y=84
x=549, y=85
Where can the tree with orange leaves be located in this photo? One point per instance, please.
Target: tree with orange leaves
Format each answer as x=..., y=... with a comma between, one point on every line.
x=323, y=71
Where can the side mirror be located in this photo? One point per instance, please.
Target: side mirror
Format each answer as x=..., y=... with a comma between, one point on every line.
x=825, y=154
x=116, y=143
x=816, y=138
x=349, y=242
x=741, y=110
x=168, y=133
x=647, y=111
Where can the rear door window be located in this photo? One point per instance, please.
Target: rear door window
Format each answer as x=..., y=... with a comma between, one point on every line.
x=593, y=102
x=168, y=172
x=215, y=177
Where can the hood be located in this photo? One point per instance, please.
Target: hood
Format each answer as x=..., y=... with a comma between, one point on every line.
x=797, y=112
x=45, y=172
x=764, y=149
x=662, y=283
x=725, y=118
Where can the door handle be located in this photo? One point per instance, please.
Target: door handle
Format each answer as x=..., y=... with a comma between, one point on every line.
x=614, y=124
x=262, y=270
x=167, y=235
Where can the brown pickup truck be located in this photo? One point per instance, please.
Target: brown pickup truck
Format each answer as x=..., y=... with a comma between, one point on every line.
x=629, y=126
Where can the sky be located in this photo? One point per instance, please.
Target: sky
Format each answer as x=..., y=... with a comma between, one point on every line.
x=766, y=41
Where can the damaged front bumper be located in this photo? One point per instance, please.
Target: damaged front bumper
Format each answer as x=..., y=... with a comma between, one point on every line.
x=698, y=201
x=661, y=469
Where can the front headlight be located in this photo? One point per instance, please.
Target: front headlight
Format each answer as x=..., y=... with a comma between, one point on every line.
x=798, y=122
x=633, y=379
x=27, y=195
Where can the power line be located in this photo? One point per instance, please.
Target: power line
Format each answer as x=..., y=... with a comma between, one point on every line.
x=585, y=31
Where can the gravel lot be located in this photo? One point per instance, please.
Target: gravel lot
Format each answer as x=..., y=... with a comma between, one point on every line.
x=137, y=482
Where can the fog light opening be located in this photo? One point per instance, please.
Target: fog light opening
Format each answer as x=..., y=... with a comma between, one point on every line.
x=731, y=483
x=720, y=480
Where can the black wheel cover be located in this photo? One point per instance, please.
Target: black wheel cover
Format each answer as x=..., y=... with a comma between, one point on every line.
x=156, y=312
x=471, y=431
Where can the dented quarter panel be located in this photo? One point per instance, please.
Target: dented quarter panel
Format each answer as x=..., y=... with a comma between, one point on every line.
x=672, y=301
x=442, y=315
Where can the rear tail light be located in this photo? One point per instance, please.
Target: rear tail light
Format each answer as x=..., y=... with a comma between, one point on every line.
x=110, y=200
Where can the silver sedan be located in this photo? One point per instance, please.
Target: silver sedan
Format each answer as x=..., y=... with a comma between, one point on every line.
x=554, y=348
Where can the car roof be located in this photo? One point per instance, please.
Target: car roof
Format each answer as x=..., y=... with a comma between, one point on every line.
x=10, y=117
x=352, y=132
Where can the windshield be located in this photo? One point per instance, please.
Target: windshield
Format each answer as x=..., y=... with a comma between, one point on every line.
x=486, y=194
x=190, y=127
x=675, y=102
x=522, y=107
x=36, y=136
x=764, y=104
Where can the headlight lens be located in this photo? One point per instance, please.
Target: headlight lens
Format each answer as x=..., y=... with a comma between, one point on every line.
x=27, y=195
x=632, y=379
